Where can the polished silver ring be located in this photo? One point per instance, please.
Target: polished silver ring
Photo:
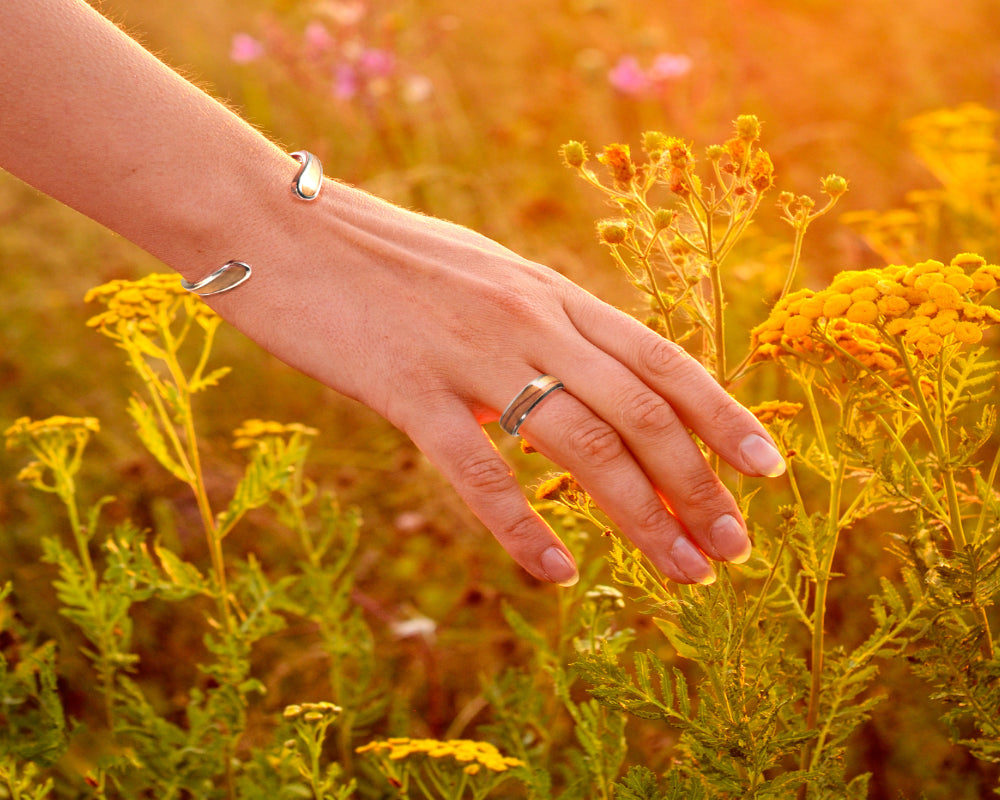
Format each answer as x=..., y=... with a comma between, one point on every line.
x=527, y=399
x=309, y=179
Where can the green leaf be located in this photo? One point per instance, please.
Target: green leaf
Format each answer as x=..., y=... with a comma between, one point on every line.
x=207, y=381
x=147, y=426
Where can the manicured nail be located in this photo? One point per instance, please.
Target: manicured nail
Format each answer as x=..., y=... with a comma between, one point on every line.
x=689, y=560
x=558, y=567
x=730, y=539
x=762, y=456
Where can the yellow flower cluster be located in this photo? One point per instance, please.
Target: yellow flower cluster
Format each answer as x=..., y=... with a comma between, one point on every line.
x=58, y=441
x=771, y=410
x=26, y=428
x=871, y=314
x=253, y=431
x=312, y=712
x=475, y=755
x=148, y=303
x=563, y=487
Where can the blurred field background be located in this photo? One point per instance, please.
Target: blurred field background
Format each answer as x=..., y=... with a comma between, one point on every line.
x=459, y=109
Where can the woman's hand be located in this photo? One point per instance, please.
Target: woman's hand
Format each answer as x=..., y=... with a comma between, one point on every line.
x=438, y=328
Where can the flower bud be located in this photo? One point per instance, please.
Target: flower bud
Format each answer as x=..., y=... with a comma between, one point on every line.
x=747, y=128
x=613, y=231
x=834, y=185
x=715, y=152
x=761, y=175
x=655, y=144
x=663, y=218
x=574, y=154
x=618, y=159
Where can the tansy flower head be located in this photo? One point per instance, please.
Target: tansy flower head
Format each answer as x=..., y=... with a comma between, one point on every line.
x=869, y=314
x=57, y=444
x=772, y=410
x=464, y=751
x=255, y=432
x=147, y=305
x=25, y=431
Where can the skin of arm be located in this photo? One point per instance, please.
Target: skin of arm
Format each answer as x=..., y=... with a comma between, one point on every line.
x=431, y=325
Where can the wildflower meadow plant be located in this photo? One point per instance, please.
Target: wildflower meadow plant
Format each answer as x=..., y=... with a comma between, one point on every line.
x=167, y=336
x=893, y=412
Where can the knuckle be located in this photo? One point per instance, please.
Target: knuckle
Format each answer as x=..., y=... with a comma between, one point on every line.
x=520, y=535
x=703, y=491
x=646, y=412
x=663, y=358
x=726, y=414
x=596, y=441
x=652, y=516
x=485, y=474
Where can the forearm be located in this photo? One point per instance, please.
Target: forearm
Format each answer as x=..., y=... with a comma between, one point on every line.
x=92, y=119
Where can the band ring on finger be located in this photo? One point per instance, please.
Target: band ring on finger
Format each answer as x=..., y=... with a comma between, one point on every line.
x=526, y=401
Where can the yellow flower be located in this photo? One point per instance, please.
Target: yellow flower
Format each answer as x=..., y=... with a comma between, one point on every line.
x=962, y=282
x=771, y=410
x=983, y=281
x=253, y=431
x=798, y=326
x=812, y=307
x=968, y=333
x=25, y=430
x=836, y=305
x=863, y=311
x=929, y=345
x=946, y=295
x=865, y=293
x=942, y=325
x=463, y=751
x=145, y=304
x=893, y=306
x=897, y=326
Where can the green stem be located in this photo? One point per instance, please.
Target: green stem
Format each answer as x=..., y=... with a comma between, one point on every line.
x=811, y=755
x=192, y=457
x=990, y=483
x=940, y=451
x=719, y=322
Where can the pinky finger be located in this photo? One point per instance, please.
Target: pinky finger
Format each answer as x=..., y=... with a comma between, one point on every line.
x=467, y=458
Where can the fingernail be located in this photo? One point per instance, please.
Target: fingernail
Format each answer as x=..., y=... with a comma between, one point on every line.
x=730, y=539
x=762, y=456
x=691, y=562
x=558, y=567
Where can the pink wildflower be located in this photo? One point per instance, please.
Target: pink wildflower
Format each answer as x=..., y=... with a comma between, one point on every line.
x=377, y=63
x=317, y=38
x=244, y=49
x=669, y=66
x=627, y=76
x=345, y=82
